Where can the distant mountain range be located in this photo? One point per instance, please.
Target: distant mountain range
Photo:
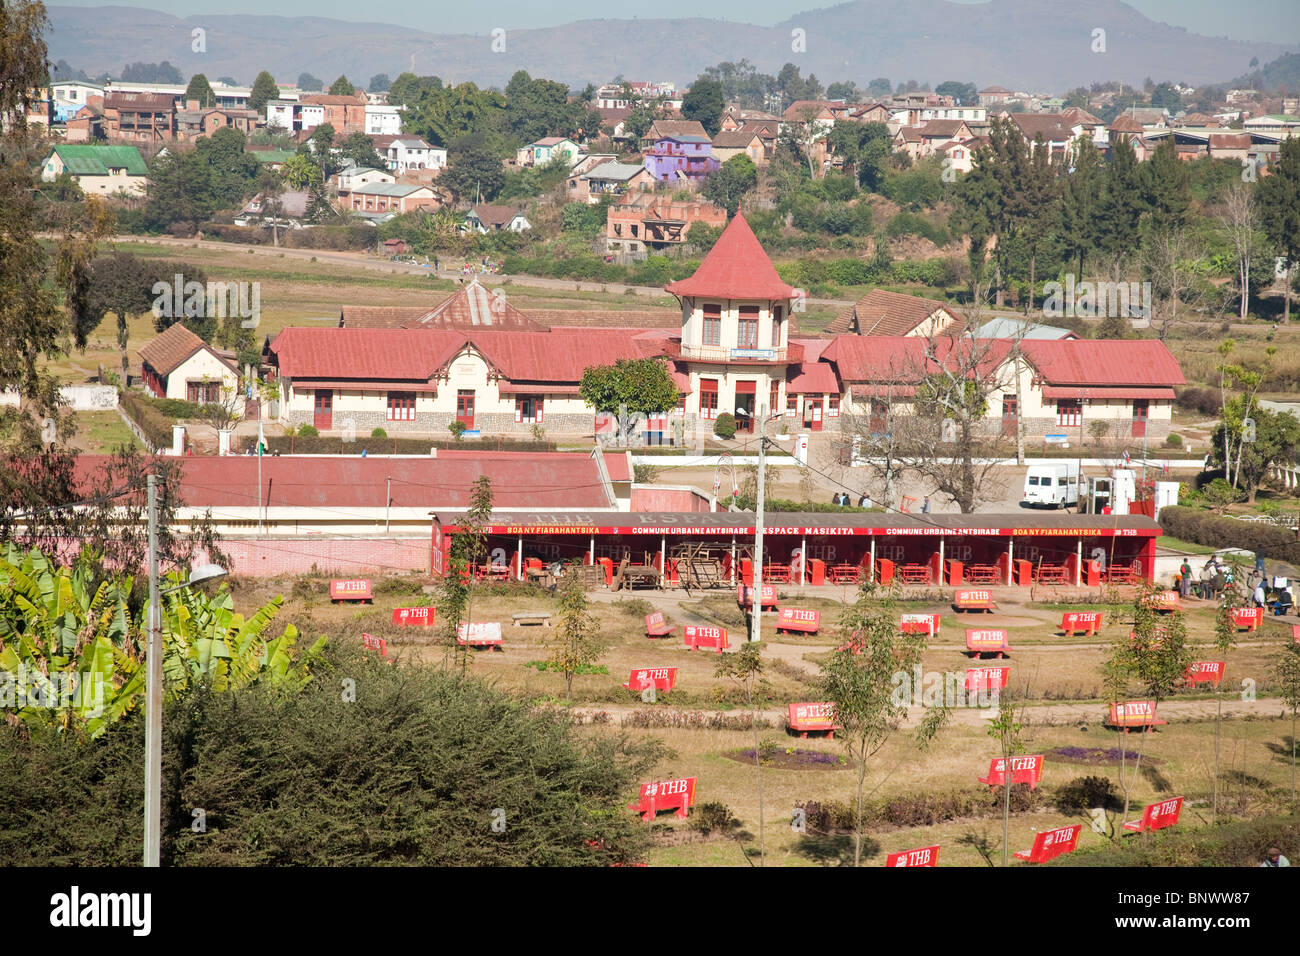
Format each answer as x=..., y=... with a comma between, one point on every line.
x=1036, y=45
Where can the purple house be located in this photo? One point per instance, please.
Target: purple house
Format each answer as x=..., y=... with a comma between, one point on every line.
x=691, y=156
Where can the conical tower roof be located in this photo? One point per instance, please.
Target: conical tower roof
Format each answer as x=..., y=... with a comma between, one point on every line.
x=735, y=268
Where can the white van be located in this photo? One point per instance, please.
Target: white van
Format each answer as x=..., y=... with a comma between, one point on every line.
x=1053, y=486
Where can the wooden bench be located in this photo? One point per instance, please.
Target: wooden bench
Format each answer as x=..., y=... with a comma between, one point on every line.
x=1134, y=714
x=845, y=574
x=1156, y=816
x=983, y=574
x=1121, y=574
x=632, y=576
x=656, y=626
x=493, y=572
x=531, y=618
x=1025, y=769
x=1087, y=621
x=1050, y=844
x=967, y=600
x=1052, y=574
x=914, y=573
x=778, y=573
x=795, y=619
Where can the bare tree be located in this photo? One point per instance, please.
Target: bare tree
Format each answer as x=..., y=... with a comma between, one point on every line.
x=1239, y=220
x=880, y=439
x=1173, y=259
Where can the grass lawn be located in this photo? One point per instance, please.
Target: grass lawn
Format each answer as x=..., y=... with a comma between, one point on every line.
x=102, y=432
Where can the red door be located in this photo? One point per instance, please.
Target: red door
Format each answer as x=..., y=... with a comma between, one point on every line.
x=323, y=412
x=746, y=398
x=1141, y=411
x=465, y=407
x=1010, y=417
x=812, y=413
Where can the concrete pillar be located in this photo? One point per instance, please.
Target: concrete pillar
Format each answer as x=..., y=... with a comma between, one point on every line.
x=223, y=442
x=178, y=439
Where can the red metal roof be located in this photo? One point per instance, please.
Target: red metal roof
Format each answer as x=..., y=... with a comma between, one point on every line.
x=560, y=355
x=735, y=268
x=523, y=480
x=814, y=378
x=1105, y=362
x=887, y=359
x=1098, y=392
x=380, y=354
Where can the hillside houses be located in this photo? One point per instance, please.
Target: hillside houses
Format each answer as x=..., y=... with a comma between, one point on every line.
x=101, y=170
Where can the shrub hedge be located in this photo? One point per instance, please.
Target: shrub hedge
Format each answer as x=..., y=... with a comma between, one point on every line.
x=1201, y=527
x=156, y=416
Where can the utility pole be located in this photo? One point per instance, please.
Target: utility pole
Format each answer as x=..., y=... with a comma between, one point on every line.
x=153, y=698
x=388, y=501
x=756, y=606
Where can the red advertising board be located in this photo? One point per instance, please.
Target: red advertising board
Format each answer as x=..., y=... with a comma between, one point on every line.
x=371, y=643
x=987, y=678
x=660, y=678
x=1157, y=816
x=925, y=856
x=480, y=634
x=1165, y=601
x=1053, y=843
x=678, y=795
x=1205, y=672
x=745, y=595
x=656, y=626
x=1248, y=618
x=987, y=640
x=352, y=589
x=414, y=616
x=797, y=619
x=811, y=717
x=696, y=636
x=1024, y=769
x=967, y=599
x=919, y=624
x=1087, y=621
x=1134, y=713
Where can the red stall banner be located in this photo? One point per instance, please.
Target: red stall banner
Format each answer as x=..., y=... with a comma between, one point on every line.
x=480, y=634
x=797, y=619
x=1087, y=621
x=1205, y=672
x=1134, y=713
x=925, y=856
x=987, y=640
x=678, y=795
x=351, y=589
x=919, y=624
x=696, y=636
x=1165, y=601
x=1053, y=843
x=660, y=678
x=987, y=678
x=1157, y=816
x=1247, y=618
x=414, y=616
x=973, y=600
x=812, y=717
x=371, y=643
x=1024, y=769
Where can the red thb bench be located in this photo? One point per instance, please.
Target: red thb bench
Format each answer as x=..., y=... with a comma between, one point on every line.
x=806, y=718
x=796, y=619
x=987, y=678
x=352, y=590
x=766, y=599
x=981, y=641
x=968, y=600
x=655, y=626
x=1050, y=844
x=1247, y=618
x=925, y=856
x=1165, y=601
x=414, y=616
x=919, y=624
x=703, y=635
x=660, y=678
x=677, y=795
x=1087, y=621
x=1156, y=816
x=1023, y=770
x=1139, y=714
x=1205, y=672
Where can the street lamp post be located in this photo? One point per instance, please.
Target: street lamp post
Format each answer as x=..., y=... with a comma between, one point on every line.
x=153, y=684
x=756, y=602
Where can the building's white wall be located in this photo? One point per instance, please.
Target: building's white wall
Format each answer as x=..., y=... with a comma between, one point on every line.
x=202, y=366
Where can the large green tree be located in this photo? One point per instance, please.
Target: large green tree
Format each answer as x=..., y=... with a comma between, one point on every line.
x=728, y=186
x=123, y=287
x=342, y=87
x=639, y=386
x=1276, y=441
x=705, y=104
x=264, y=90
x=1279, y=209
x=473, y=169
x=200, y=90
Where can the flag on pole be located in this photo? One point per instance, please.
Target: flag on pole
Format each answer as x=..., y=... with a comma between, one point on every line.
x=261, y=440
x=1126, y=456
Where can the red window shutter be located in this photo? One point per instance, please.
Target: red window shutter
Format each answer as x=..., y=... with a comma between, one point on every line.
x=539, y=411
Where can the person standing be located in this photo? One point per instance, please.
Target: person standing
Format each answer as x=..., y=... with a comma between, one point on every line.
x=1261, y=556
x=1259, y=597
x=1185, y=579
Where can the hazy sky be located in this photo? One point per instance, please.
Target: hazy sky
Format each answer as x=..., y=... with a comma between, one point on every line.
x=1269, y=20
